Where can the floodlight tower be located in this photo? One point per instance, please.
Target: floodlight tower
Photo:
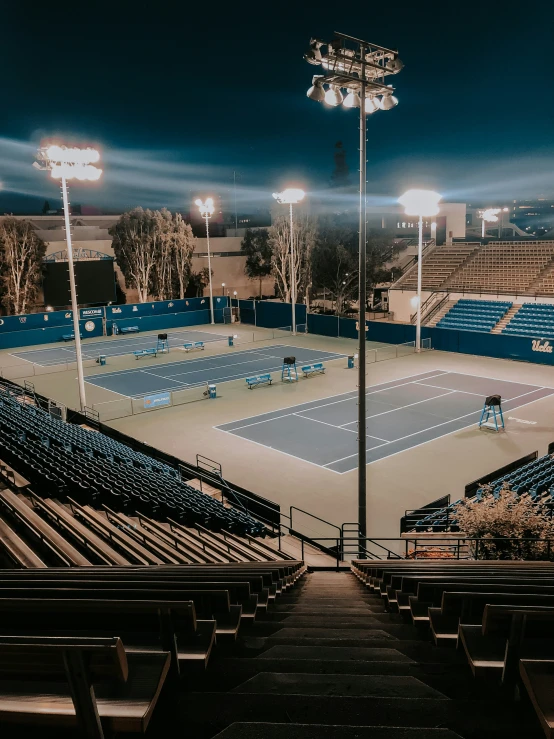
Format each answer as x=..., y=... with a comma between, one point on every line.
x=490, y=215
x=291, y=196
x=420, y=203
x=69, y=163
x=206, y=211
x=360, y=67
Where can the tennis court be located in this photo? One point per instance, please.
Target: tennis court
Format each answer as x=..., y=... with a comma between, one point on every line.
x=212, y=369
x=112, y=348
x=400, y=415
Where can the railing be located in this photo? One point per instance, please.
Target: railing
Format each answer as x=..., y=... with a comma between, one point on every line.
x=449, y=547
x=413, y=515
x=431, y=305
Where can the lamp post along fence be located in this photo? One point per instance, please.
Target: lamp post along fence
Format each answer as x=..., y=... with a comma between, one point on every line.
x=67, y=163
x=360, y=67
x=290, y=197
x=206, y=211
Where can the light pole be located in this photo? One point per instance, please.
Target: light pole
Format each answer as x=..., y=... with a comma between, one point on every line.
x=291, y=196
x=236, y=297
x=490, y=215
x=68, y=163
x=360, y=67
x=206, y=211
x=420, y=203
x=223, y=288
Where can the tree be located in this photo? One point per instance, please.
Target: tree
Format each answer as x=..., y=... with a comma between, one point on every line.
x=506, y=517
x=198, y=282
x=257, y=247
x=304, y=232
x=21, y=254
x=183, y=243
x=136, y=244
x=335, y=259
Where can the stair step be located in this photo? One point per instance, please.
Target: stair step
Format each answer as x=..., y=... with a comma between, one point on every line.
x=254, y=730
x=323, y=620
x=473, y=719
x=335, y=653
x=336, y=630
x=377, y=686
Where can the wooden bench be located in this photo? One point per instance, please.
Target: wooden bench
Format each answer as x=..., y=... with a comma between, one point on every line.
x=256, y=380
x=211, y=602
x=16, y=550
x=146, y=353
x=313, y=369
x=191, y=345
x=129, y=330
x=538, y=678
x=143, y=625
x=507, y=634
x=468, y=608
x=53, y=682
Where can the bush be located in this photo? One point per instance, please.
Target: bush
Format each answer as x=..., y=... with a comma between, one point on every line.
x=506, y=516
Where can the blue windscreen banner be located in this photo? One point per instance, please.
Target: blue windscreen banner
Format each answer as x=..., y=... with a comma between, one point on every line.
x=159, y=400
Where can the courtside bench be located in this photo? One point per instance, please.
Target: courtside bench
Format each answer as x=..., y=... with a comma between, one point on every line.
x=146, y=353
x=71, y=336
x=256, y=380
x=189, y=346
x=313, y=369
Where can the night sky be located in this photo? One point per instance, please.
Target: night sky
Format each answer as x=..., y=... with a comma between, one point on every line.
x=178, y=95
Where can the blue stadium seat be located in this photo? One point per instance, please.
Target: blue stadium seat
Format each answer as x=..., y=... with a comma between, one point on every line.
x=474, y=315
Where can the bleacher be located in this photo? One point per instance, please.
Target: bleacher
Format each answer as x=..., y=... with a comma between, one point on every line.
x=474, y=315
x=500, y=614
x=522, y=267
x=64, y=460
x=534, y=320
x=438, y=264
x=534, y=479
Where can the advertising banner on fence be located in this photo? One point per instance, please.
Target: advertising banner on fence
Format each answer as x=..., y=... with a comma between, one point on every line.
x=157, y=401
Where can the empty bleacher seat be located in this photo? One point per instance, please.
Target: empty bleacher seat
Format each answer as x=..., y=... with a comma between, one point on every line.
x=474, y=315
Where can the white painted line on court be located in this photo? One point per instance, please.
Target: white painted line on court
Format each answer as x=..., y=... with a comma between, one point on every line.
x=465, y=392
x=402, y=407
x=337, y=428
x=500, y=379
x=435, y=438
x=266, y=447
x=444, y=423
x=344, y=397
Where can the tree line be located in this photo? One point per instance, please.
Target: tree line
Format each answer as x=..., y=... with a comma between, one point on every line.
x=325, y=257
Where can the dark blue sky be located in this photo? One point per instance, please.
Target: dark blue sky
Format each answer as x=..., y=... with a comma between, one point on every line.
x=180, y=94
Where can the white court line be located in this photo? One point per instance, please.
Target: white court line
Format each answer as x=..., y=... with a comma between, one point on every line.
x=352, y=395
x=435, y=438
x=466, y=392
x=179, y=362
x=287, y=454
x=401, y=408
x=324, y=423
x=500, y=379
x=200, y=383
x=429, y=428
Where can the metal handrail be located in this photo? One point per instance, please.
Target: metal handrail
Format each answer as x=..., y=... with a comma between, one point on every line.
x=430, y=304
x=459, y=546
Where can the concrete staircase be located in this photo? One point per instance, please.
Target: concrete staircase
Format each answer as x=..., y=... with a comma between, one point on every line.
x=505, y=320
x=327, y=662
x=440, y=313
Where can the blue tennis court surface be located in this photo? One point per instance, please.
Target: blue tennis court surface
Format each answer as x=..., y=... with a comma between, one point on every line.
x=114, y=348
x=195, y=372
x=400, y=414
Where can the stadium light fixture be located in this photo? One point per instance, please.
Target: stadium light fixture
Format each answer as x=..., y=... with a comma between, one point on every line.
x=359, y=67
x=71, y=163
x=291, y=196
x=206, y=208
x=420, y=203
x=317, y=91
x=490, y=215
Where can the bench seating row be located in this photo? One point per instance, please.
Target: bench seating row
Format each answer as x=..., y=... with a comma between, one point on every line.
x=501, y=613
x=93, y=647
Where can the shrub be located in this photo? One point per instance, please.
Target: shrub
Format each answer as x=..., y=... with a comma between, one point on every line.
x=506, y=516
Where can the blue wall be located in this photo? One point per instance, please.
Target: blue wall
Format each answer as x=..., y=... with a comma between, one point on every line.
x=49, y=327
x=277, y=315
